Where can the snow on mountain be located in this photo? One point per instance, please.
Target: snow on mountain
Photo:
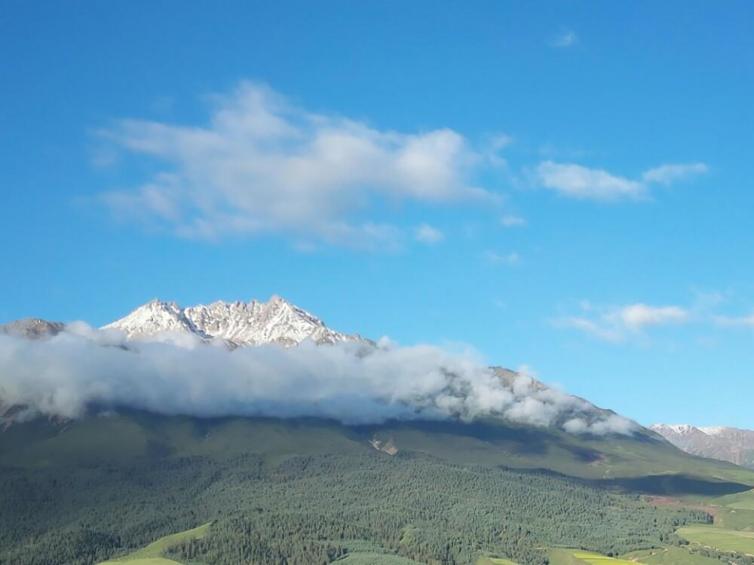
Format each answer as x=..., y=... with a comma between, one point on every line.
x=716, y=430
x=153, y=318
x=717, y=442
x=675, y=429
x=237, y=323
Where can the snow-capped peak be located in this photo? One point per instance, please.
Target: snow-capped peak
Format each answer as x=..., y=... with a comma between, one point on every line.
x=677, y=429
x=154, y=317
x=238, y=323
x=715, y=430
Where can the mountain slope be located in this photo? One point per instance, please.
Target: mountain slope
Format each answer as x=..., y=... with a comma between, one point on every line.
x=296, y=492
x=237, y=323
x=103, y=486
x=726, y=444
x=612, y=460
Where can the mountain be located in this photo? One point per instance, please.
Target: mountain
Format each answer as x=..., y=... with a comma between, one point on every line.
x=279, y=322
x=726, y=444
x=236, y=323
x=33, y=328
x=421, y=487
x=302, y=491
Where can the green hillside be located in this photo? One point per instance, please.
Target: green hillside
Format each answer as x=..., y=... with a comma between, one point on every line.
x=154, y=552
x=309, y=491
x=640, y=463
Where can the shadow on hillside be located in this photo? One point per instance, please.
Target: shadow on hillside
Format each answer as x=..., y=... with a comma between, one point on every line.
x=659, y=485
x=525, y=441
x=672, y=485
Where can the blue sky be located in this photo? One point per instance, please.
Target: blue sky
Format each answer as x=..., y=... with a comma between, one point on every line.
x=562, y=185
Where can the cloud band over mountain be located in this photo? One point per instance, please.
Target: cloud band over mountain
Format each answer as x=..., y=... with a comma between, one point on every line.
x=80, y=368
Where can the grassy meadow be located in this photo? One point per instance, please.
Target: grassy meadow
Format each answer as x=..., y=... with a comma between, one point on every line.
x=153, y=554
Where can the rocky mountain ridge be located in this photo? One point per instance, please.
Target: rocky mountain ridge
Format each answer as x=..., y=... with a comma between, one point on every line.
x=719, y=442
x=237, y=323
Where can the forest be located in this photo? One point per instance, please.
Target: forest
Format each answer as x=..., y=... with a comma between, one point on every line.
x=308, y=509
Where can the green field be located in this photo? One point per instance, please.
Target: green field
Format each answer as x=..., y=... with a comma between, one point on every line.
x=732, y=532
x=580, y=557
x=669, y=556
x=375, y=559
x=153, y=553
x=494, y=561
x=740, y=501
x=658, y=556
x=596, y=559
x=718, y=538
x=143, y=561
x=734, y=519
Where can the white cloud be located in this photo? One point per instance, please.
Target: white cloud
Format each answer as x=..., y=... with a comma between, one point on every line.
x=262, y=165
x=427, y=234
x=567, y=38
x=638, y=316
x=500, y=141
x=733, y=321
x=596, y=329
x=80, y=368
x=670, y=173
x=578, y=181
x=512, y=221
x=495, y=258
x=617, y=323
x=611, y=424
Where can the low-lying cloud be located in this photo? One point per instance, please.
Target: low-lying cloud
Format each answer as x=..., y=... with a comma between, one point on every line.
x=81, y=369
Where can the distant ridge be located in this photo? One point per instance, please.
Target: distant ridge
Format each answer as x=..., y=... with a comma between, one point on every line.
x=33, y=328
x=718, y=442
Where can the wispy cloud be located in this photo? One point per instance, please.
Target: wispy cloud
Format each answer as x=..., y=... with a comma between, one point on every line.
x=263, y=165
x=638, y=316
x=428, y=235
x=496, y=258
x=620, y=322
x=577, y=181
x=566, y=38
x=746, y=321
x=512, y=221
x=668, y=174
